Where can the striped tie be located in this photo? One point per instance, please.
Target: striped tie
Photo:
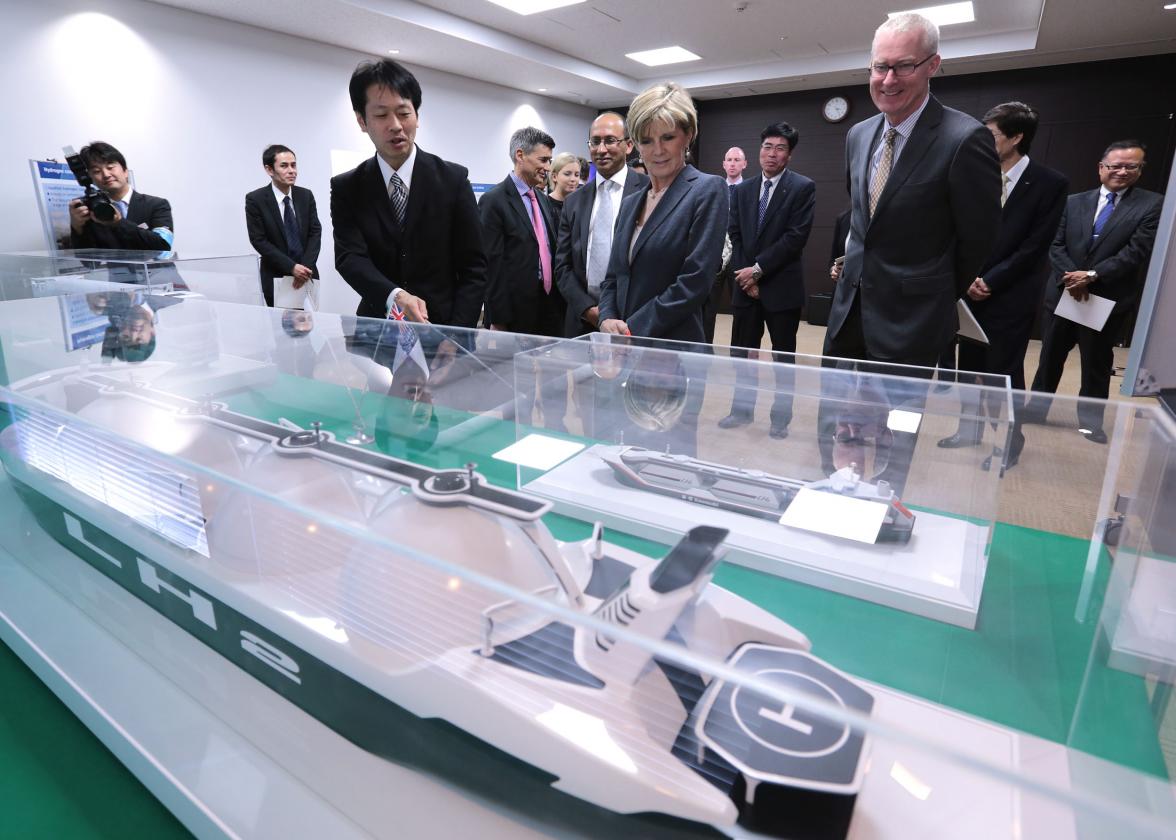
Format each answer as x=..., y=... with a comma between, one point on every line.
x=399, y=196
x=878, y=182
x=763, y=205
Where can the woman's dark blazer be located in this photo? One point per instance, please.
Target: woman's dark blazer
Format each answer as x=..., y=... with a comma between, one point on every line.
x=661, y=291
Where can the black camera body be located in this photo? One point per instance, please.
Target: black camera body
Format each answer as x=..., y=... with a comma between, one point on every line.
x=96, y=201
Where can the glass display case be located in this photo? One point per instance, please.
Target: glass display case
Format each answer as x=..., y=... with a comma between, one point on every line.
x=227, y=278
x=293, y=569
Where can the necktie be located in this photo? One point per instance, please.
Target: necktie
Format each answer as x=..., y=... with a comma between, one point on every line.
x=1004, y=188
x=541, y=238
x=601, y=237
x=1101, y=220
x=123, y=207
x=293, y=238
x=763, y=205
x=878, y=182
x=398, y=193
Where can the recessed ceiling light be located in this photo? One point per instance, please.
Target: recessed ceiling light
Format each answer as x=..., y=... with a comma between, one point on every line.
x=393, y=52
x=543, y=90
x=944, y=15
x=665, y=55
x=530, y=7
x=1169, y=7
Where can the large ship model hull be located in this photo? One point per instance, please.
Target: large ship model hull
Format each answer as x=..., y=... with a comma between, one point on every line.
x=432, y=619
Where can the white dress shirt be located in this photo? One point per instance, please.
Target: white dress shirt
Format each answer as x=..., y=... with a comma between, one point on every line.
x=904, y=128
x=618, y=189
x=405, y=173
x=1015, y=173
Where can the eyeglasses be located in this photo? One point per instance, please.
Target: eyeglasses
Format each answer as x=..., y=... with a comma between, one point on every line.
x=775, y=147
x=902, y=69
x=1122, y=167
x=607, y=142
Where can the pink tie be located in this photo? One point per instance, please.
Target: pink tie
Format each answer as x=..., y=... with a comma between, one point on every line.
x=541, y=238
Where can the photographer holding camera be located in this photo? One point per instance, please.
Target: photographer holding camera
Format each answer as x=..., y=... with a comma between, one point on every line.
x=117, y=217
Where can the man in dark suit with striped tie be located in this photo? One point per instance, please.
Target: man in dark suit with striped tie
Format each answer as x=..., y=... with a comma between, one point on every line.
x=283, y=223
x=405, y=221
x=1102, y=247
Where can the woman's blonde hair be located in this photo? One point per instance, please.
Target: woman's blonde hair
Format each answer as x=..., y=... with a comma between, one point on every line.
x=561, y=160
x=667, y=102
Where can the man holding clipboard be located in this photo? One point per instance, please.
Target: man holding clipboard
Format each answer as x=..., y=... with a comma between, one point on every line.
x=1099, y=257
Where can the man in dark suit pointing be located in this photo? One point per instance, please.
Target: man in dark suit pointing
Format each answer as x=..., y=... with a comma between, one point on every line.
x=924, y=185
x=1102, y=247
x=771, y=216
x=283, y=223
x=406, y=223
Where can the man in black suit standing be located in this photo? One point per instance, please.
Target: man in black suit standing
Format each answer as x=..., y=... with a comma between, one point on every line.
x=405, y=221
x=141, y=223
x=1005, y=294
x=283, y=223
x=924, y=184
x=1101, y=247
x=521, y=294
x=585, y=234
x=771, y=216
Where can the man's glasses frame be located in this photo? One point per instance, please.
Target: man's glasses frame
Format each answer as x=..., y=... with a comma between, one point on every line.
x=1122, y=167
x=901, y=70
x=607, y=142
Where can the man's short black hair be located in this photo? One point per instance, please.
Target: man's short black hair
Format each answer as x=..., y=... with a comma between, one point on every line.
x=271, y=154
x=98, y=153
x=1118, y=144
x=1013, y=118
x=782, y=129
x=386, y=73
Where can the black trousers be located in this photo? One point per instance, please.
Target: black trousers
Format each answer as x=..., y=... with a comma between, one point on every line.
x=747, y=331
x=1004, y=355
x=1097, y=351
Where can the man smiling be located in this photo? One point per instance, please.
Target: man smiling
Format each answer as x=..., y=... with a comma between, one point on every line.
x=925, y=191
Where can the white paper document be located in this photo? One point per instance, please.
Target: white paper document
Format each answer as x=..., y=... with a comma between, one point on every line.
x=539, y=452
x=287, y=297
x=837, y=516
x=969, y=326
x=1092, y=312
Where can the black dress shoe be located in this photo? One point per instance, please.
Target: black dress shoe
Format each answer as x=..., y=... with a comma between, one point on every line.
x=1096, y=436
x=779, y=431
x=957, y=441
x=734, y=420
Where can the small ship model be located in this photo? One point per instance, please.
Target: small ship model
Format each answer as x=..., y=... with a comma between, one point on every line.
x=372, y=593
x=750, y=492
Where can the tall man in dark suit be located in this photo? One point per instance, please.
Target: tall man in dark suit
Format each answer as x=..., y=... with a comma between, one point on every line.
x=283, y=223
x=141, y=223
x=517, y=222
x=1005, y=294
x=924, y=184
x=771, y=216
x=585, y=234
x=1102, y=247
x=406, y=223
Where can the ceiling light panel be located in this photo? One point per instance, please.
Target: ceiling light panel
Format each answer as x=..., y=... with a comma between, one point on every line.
x=530, y=7
x=664, y=55
x=944, y=15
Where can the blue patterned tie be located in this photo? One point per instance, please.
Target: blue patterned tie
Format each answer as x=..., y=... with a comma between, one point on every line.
x=1101, y=220
x=293, y=237
x=763, y=205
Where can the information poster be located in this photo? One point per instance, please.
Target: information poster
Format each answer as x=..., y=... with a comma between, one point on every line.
x=56, y=187
x=83, y=326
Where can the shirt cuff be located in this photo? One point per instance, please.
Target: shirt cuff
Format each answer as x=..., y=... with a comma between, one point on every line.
x=392, y=299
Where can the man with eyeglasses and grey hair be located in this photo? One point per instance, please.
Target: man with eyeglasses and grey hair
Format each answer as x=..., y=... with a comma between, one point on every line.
x=1102, y=247
x=925, y=186
x=586, y=227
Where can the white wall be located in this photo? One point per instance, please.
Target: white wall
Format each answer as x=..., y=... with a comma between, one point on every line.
x=192, y=100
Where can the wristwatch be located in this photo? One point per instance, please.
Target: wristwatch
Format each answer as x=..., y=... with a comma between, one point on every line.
x=756, y=272
x=1091, y=276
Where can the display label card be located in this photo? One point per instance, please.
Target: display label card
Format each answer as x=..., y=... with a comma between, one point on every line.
x=539, y=452
x=901, y=420
x=1092, y=312
x=837, y=516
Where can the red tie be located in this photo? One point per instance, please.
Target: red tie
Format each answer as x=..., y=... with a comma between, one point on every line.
x=541, y=238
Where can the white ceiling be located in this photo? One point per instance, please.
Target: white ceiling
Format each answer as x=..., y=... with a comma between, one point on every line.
x=578, y=52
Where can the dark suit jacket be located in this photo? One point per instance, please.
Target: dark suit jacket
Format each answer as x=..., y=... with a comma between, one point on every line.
x=267, y=234
x=935, y=224
x=126, y=234
x=438, y=256
x=778, y=245
x=1123, y=250
x=1015, y=269
x=660, y=292
x=571, y=251
x=513, y=286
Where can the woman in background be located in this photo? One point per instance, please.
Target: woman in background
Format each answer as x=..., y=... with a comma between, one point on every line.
x=668, y=243
x=562, y=182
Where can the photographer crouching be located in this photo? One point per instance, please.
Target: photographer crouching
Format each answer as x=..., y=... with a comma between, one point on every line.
x=115, y=216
